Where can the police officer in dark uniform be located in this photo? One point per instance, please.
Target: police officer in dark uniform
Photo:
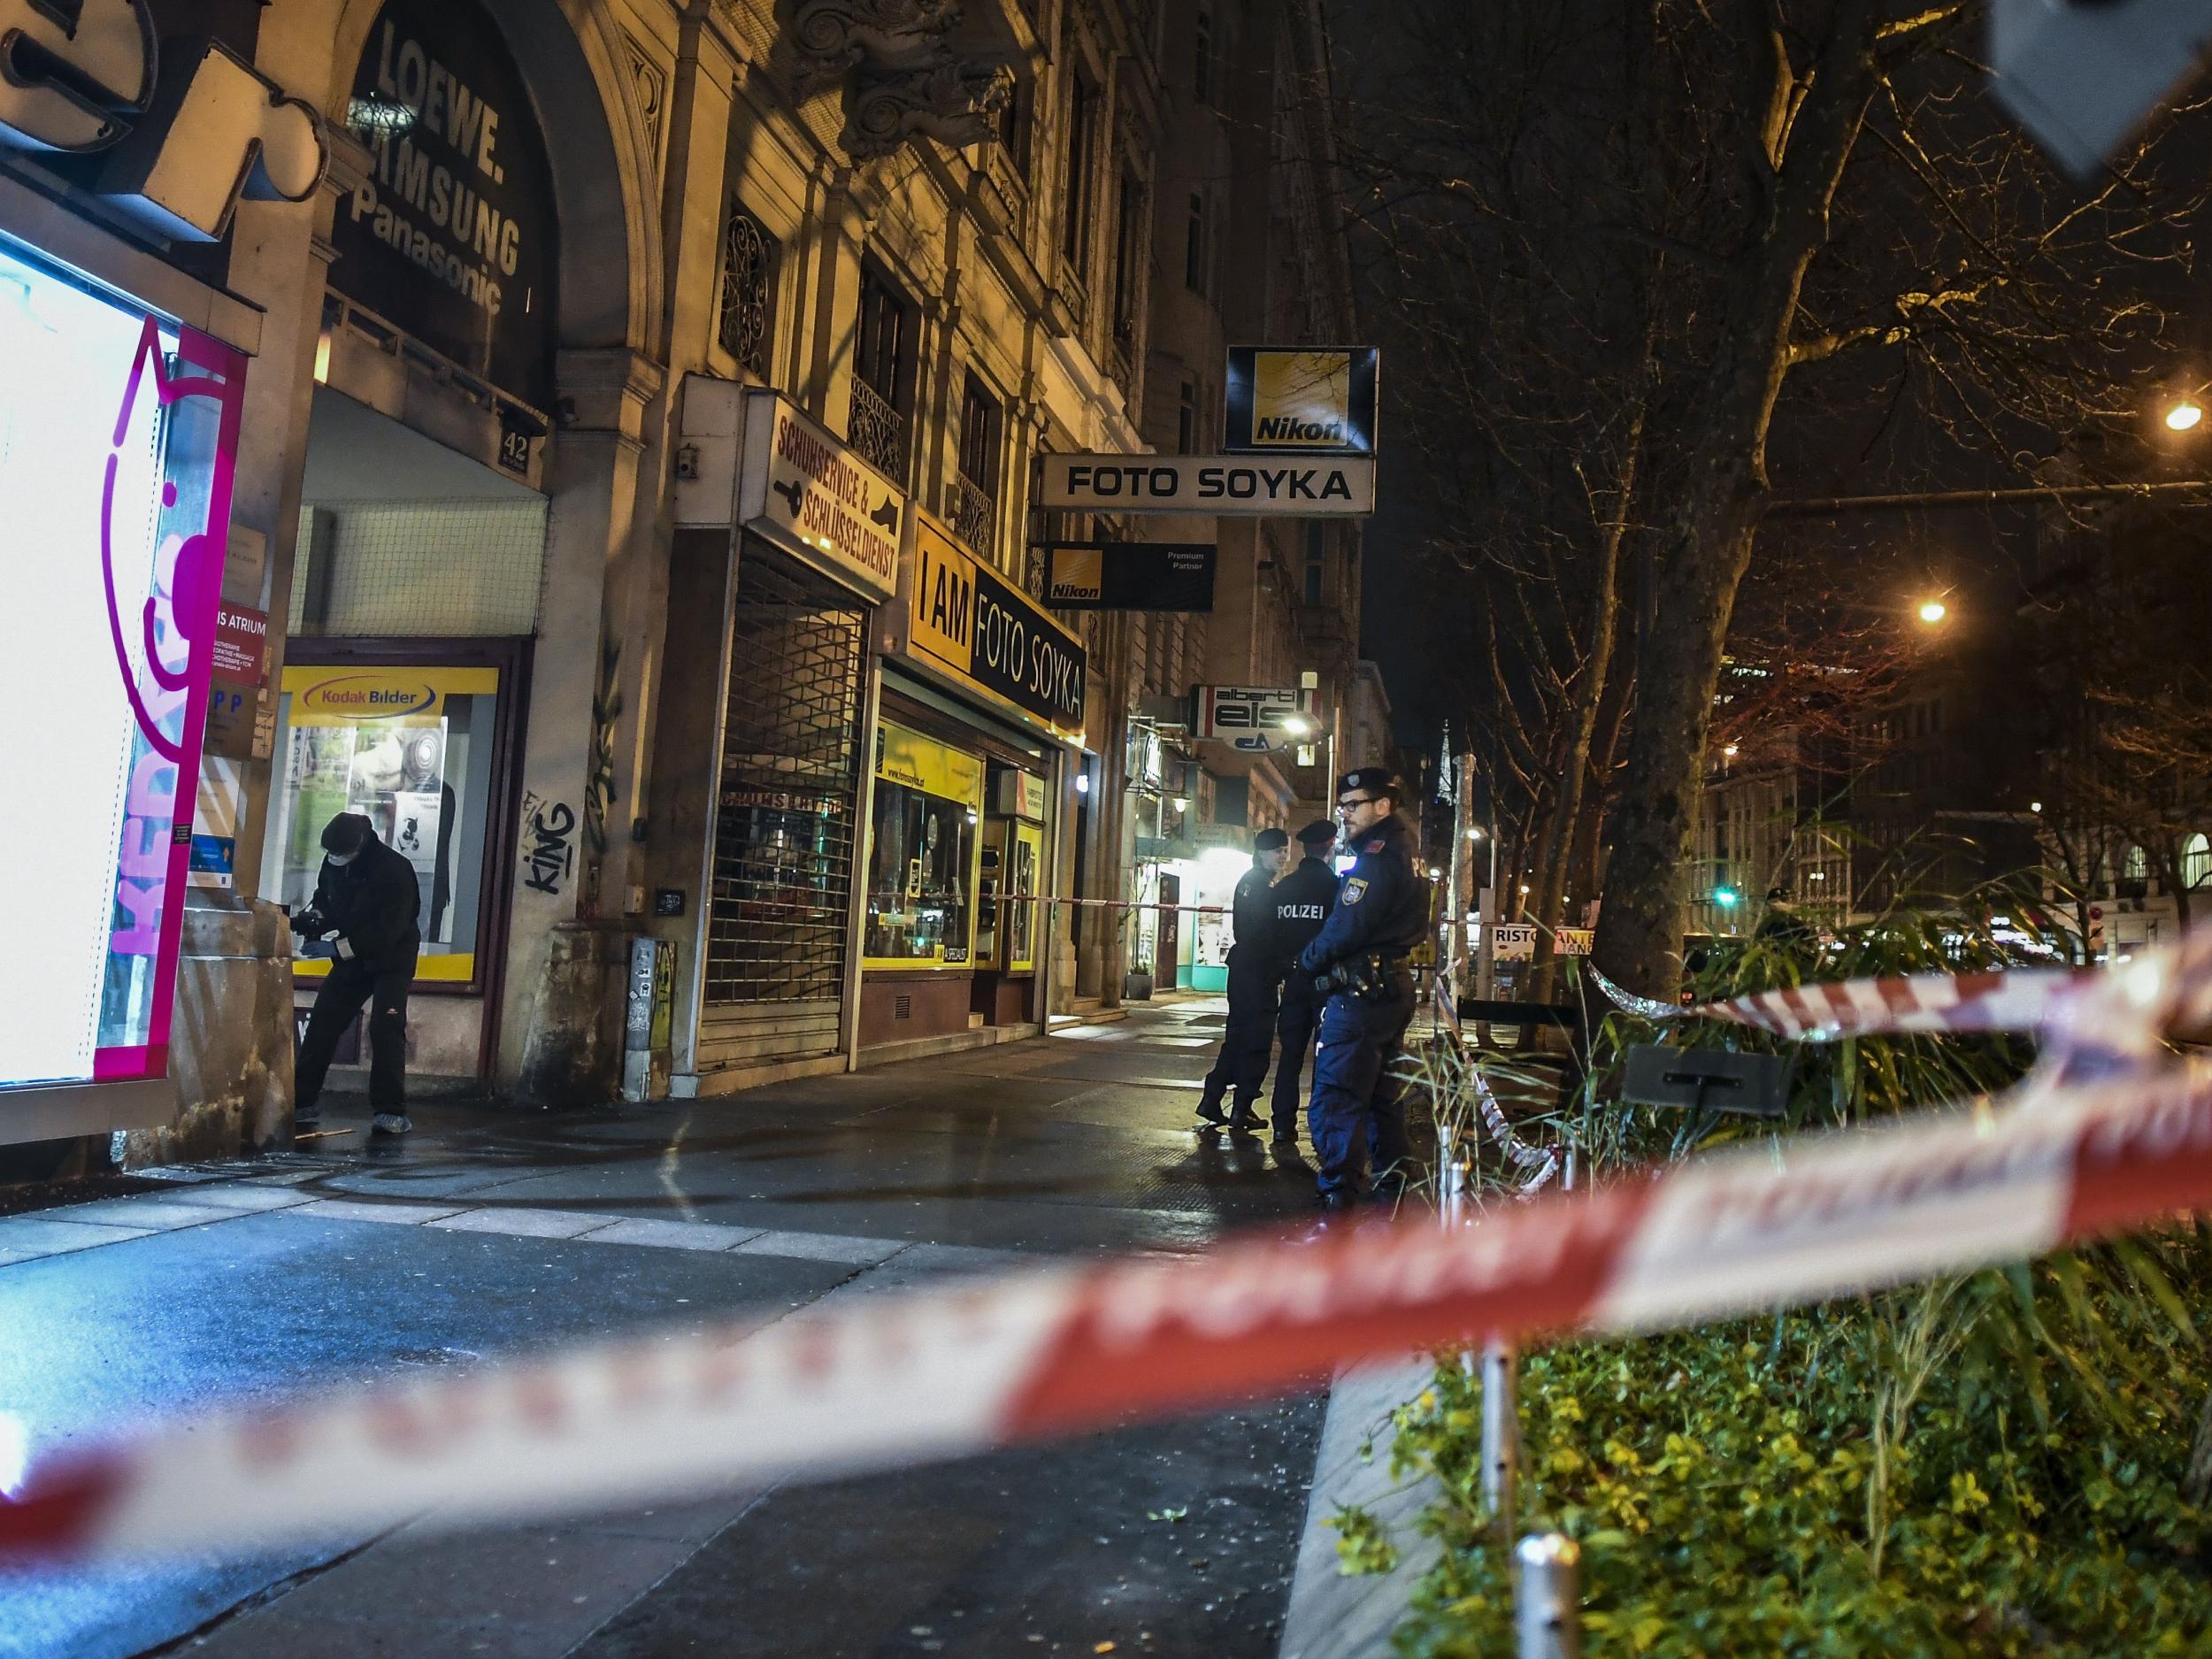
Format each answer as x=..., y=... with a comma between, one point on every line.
x=1255, y=970
x=1303, y=900
x=366, y=902
x=1358, y=961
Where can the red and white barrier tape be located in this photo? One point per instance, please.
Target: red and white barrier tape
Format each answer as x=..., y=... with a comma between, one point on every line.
x=898, y=1379
x=1106, y=905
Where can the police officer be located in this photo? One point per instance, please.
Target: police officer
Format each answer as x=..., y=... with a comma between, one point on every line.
x=1358, y=960
x=1255, y=970
x=1303, y=900
x=366, y=902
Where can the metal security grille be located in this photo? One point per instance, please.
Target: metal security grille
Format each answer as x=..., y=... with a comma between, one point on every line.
x=785, y=831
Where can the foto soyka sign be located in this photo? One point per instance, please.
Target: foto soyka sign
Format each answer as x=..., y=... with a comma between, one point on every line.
x=1331, y=486
x=964, y=617
x=1300, y=398
x=452, y=234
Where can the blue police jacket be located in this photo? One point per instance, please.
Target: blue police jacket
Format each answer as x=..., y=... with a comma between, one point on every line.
x=1381, y=907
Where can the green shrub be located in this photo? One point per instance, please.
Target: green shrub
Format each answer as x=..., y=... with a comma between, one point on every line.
x=1986, y=1465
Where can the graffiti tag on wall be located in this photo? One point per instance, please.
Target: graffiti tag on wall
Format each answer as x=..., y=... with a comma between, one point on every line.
x=549, y=847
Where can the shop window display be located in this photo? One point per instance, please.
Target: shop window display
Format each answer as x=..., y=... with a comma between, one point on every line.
x=410, y=750
x=922, y=853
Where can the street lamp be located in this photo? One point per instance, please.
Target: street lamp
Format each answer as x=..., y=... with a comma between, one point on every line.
x=1474, y=833
x=1933, y=610
x=1297, y=725
x=2182, y=415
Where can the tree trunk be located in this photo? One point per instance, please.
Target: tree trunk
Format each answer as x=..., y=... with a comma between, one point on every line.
x=1640, y=930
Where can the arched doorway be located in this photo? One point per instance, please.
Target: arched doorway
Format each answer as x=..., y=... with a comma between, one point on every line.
x=437, y=635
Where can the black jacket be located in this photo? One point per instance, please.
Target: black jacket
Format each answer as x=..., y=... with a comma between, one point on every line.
x=372, y=903
x=1252, y=918
x=1381, y=906
x=1303, y=900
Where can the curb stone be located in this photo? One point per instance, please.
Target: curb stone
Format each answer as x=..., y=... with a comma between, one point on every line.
x=1332, y=1617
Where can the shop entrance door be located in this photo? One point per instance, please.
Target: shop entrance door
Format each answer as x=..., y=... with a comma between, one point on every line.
x=785, y=822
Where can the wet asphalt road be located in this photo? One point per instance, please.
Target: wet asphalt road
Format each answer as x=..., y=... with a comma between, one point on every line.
x=1171, y=1539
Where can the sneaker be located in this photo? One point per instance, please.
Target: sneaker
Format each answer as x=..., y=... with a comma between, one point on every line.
x=389, y=1123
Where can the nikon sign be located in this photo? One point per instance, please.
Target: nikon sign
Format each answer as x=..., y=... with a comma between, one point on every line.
x=1300, y=398
x=1289, y=486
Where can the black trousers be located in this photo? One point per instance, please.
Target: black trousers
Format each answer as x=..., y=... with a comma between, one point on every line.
x=1250, y=1034
x=349, y=985
x=1293, y=1029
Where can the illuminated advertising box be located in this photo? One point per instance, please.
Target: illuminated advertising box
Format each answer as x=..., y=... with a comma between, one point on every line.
x=118, y=437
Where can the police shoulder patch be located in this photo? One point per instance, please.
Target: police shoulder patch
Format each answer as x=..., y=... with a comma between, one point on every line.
x=1375, y=845
x=1355, y=890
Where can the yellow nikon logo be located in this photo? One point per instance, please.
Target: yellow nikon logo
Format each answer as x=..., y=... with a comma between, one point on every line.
x=1301, y=399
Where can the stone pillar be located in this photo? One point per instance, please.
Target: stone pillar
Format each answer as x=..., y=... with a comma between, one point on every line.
x=559, y=1033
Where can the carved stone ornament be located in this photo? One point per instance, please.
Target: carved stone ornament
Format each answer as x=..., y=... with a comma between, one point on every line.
x=955, y=103
x=832, y=35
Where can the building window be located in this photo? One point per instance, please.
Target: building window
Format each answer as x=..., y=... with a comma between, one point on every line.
x=2137, y=867
x=1186, y=420
x=1201, y=66
x=2196, y=862
x=922, y=865
x=975, y=506
x=1194, y=247
x=1013, y=128
x=749, y=278
x=882, y=361
x=1314, y=569
x=1075, y=224
x=1128, y=244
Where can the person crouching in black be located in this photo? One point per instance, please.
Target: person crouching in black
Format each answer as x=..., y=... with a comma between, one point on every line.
x=1255, y=970
x=366, y=902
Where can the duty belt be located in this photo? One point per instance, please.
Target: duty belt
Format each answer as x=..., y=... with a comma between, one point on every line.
x=1368, y=977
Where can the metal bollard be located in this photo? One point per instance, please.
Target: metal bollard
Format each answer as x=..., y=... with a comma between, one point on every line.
x=1548, y=1597
x=1501, y=1434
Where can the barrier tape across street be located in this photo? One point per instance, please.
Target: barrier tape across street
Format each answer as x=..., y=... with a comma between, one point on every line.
x=901, y=1378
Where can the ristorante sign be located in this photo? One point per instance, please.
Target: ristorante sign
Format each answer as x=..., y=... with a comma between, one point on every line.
x=964, y=618
x=805, y=490
x=452, y=234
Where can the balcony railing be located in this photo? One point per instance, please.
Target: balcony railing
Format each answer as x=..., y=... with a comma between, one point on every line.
x=975, y=517
x=878, y=432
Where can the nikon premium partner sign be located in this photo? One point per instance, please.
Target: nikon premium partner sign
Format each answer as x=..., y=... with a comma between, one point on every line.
x=1288, y=485
x=1301, y=399
x=451, y=236
x=964, y=619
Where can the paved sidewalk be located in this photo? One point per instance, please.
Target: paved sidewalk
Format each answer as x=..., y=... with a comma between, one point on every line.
x=490, y=1233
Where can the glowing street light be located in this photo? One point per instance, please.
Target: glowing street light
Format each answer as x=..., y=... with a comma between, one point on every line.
x=1726, y=897
x=2035, y=806
x=1730, y=752
x=2182, y=415
x=1474, y=834
x=1933, y=610
x=1297, y=725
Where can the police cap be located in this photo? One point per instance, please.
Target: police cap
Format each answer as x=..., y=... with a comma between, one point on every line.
x=1269, y=840
x=1376, y=780
x=1320, y=832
